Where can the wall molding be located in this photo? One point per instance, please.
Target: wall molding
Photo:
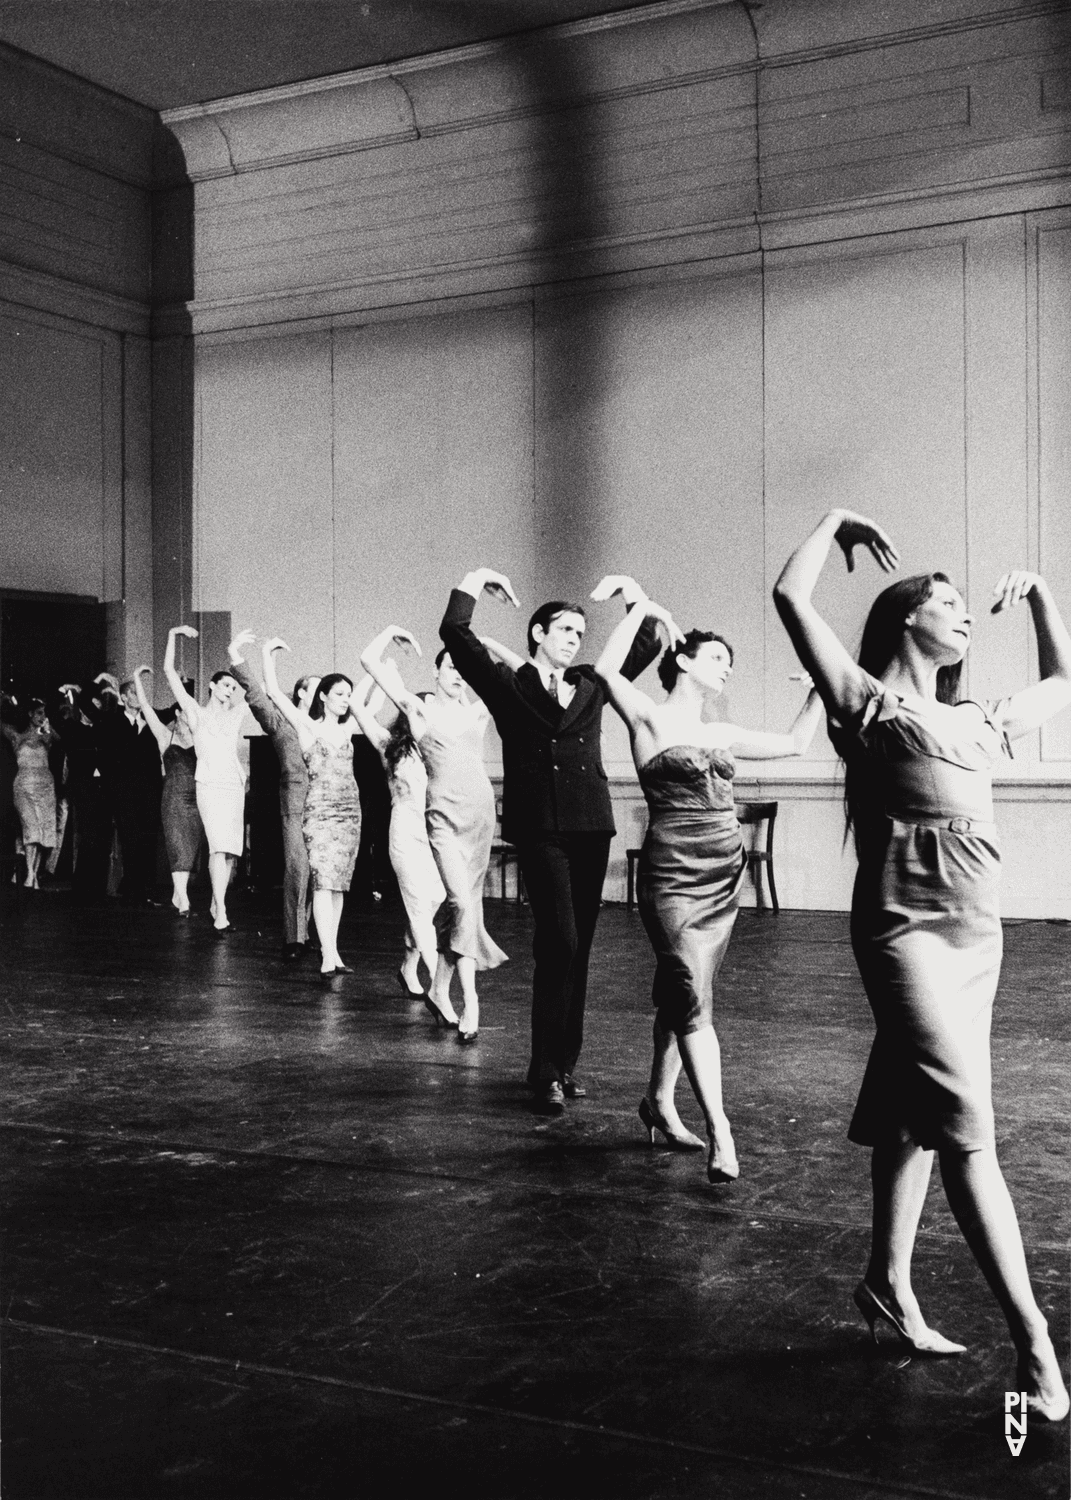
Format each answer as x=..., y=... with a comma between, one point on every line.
x=99, y=312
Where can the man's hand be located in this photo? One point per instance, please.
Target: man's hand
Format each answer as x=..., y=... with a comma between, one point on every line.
x=617, y=583
x=486, y=580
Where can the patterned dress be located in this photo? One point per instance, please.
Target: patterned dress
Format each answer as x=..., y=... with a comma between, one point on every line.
x=331, y=822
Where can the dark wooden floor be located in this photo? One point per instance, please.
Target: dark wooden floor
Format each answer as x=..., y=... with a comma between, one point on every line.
x=267, y=1240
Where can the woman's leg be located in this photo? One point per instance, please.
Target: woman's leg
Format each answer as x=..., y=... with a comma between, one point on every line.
x=979, y=1198
x=900, y=1176
x=327, y=913
x=469, y=1019
x=440, y=985
x=180, y=880
x=701, y=1056
x=665, y=1070
x=220, y=867
x=33, y=861
x=410, y=966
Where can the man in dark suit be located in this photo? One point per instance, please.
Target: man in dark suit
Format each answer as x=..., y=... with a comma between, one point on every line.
x=555, y=799
x=129, y=761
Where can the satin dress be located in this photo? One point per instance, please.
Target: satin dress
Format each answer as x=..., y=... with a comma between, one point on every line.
x=461, y=828
x=419, y=881
x=331, y=821
x=220, y=782
x=179, y=813
x=34, y=790
x=925, y=916
x=691, y=868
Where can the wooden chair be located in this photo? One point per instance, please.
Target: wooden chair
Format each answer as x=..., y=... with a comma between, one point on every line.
x=761, y=812
x=746, y=812
x=506, y=855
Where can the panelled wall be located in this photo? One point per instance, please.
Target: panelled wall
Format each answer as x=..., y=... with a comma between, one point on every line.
x=75, y=406
x=648, y=295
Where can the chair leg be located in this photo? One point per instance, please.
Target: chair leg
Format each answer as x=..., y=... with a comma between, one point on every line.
x=773, y=887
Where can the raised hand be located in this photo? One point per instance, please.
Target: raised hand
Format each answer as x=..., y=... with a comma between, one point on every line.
x=1013, y=588
x=276, y=643
x=857, y=531
x=243, y=638
x=69, y=689
x=186, y=630
x=405, y=639
x=499, y=587
x=662, y=615
x=144, y=668
x=108, y=680
x=617, y=583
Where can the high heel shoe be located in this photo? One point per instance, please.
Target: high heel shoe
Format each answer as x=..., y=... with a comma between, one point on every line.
x=873, y=1308
x=416, y=994
x=441, y=1018
x=675, y=1142
x=466, y=1038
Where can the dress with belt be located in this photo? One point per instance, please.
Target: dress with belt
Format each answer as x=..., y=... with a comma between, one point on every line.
x=691, y=868
x=925, y=918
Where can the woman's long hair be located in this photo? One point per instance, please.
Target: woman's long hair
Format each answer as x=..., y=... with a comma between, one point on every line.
x=324, y=686
x=882, y=636
x=400, y=743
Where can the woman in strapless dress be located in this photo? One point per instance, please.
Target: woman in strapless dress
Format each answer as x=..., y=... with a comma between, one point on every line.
x=692, y=862
x=179, y=815
x=449, y=731
x=419, y=882
x=925, y=920
x=34, y=789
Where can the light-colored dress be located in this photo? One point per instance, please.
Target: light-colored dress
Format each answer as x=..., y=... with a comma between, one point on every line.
x=925, y=918
x=331, y=821
x=34, y=790
x=419, y=882
x=691, y=867
x=220, y=781
x=461, y=829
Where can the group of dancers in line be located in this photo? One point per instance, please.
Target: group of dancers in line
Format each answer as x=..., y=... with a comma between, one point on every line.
x=925, y=922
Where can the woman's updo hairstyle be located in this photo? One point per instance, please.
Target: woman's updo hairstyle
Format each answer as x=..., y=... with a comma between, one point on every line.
x=669, y=671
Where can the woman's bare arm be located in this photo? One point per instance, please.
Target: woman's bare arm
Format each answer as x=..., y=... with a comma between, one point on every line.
x=634, y=706
x=305, y=727
x=191, y=705
x=385, y=674
x=365, y=702
x=837, y=677
x=1029, y=708
x=160, y=732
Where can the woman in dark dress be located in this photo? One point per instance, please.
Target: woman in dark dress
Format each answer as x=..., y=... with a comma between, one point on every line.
x=692, y=862
x=925, y=921
x=178, y=802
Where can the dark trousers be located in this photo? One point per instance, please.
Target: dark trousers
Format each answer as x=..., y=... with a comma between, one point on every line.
x=137, y=820
x=563, y=876
x=295, y=864
x=92, y=821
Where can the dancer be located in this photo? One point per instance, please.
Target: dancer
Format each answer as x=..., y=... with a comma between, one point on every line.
x=293, y=785
x=692, y=862
x=129, y=761
x=331, y=820
x=179, y=816
x=419, y=882
x=90, y=813
x=449, y=731
x=215, y=726
x=34, y=789
x=925, y=923
x=556, y=803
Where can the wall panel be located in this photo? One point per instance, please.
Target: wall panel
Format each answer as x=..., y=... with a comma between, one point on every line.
x=1053, y=263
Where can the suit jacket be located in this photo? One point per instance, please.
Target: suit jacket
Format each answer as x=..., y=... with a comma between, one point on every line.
x=284, y=737
x=129, y=760
x=552, y=756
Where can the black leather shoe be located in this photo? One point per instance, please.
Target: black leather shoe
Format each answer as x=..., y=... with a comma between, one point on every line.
x=550, y=1097
x=573, y=1090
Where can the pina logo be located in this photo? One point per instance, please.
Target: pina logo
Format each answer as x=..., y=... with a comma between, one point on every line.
x=1012, y=1424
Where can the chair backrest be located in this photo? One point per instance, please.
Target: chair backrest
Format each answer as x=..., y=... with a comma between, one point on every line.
x=758, y=812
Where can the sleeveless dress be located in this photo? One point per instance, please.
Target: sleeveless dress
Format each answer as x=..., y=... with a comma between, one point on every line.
x=691, y=869
x=220, y=783
x=925, y=919
x=34, y=791
x=461, y=827
x=331, y=821
x=419, y=882
x=178, y=807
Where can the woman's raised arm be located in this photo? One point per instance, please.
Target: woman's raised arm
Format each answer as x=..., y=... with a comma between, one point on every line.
x=1029, y=708
x=386, y=675
x=306, y=728
x=191, y=705
x=837, y=677
x=365, y=702
x=633, y=705
x=160, y=732
x=756, y=744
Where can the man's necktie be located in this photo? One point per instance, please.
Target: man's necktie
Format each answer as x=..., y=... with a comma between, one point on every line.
x=552, y=687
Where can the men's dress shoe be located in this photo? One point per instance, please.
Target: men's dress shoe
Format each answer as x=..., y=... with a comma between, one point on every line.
x=551, y=1095
x=573, y=1090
